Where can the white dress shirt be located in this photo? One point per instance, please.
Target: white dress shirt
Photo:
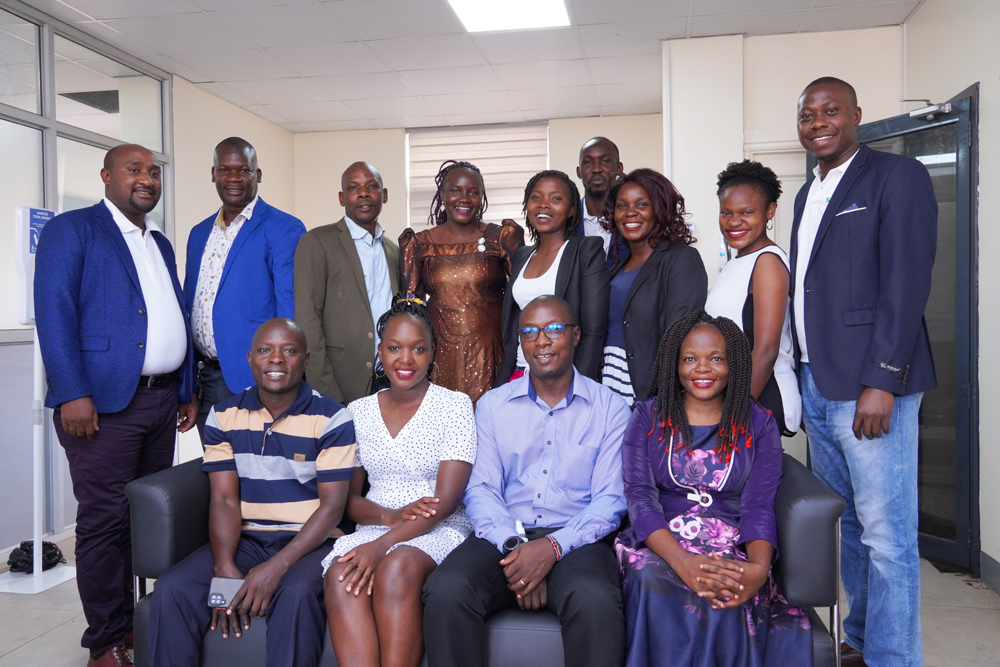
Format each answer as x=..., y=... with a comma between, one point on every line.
x=592, y=226
x=166, y=339
x=819, y=196
x=375, y=268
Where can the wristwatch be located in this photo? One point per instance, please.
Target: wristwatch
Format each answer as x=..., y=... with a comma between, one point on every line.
x=511, y=543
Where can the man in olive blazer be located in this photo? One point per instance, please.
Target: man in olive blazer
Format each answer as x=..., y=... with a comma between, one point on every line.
x=345, y=276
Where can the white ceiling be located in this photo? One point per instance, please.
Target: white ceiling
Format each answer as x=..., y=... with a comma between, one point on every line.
x=323, y=65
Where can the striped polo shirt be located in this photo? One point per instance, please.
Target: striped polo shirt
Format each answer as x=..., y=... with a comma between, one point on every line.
x=279, y=462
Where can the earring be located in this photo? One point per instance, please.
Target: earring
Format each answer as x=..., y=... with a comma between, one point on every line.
x=770, y=223
x=435, y=371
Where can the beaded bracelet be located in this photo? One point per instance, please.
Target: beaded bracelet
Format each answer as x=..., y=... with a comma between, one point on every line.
x=555, y=547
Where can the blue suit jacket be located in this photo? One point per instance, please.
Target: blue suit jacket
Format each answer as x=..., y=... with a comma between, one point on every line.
x=256, y=284
x=868, y=279
x=90, y=313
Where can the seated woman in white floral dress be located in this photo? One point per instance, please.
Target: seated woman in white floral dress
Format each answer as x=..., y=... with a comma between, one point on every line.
x=416, y=445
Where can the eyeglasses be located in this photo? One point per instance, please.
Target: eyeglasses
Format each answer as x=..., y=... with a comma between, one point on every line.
x=552, y=332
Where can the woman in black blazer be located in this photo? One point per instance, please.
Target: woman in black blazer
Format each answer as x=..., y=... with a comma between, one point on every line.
x=560, y=262
x=657, y=277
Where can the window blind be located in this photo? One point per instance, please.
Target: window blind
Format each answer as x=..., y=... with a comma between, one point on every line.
x=507, y=156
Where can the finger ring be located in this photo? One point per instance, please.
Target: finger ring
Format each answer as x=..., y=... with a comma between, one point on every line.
x=522, y=583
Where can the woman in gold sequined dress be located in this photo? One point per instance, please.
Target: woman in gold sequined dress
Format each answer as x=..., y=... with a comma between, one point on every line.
x=462, y=265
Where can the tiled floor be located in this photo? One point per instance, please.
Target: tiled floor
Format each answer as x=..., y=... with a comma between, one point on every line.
x=961, y=620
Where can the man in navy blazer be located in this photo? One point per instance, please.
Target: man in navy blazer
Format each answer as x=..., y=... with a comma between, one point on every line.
x=863, y=243
x=238, y=275
x=117, y=354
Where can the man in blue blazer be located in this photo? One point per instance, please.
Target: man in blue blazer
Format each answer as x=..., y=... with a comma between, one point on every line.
x=863, y=243
x=238, y=275
x=117, y=354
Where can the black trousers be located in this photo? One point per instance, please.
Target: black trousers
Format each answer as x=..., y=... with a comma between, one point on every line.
x=212, y=389
x=584, y=592
x=135, y=442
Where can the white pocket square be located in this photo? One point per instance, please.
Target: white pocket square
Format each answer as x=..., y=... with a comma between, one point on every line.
x=851, y=210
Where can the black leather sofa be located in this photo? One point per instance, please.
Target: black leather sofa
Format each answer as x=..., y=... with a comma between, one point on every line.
x=170, y=520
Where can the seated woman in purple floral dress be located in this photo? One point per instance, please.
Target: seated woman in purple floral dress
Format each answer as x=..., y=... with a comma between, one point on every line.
x=701, y=463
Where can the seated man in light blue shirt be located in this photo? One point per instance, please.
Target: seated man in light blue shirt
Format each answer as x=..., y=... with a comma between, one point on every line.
x=545, y=494
x=345, y=276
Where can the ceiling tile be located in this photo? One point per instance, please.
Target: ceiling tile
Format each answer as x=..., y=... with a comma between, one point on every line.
x=611, y=94
x=330, y=59
x=721, y=7
x=442, y=81
x=238, y=65
x=117, y=38
x=553, y=73
x=364, y=86
x=393, y=19
x=266, y=114
x=123, y=9
x=773, y=23
x=628, y=69
x=844, y=3
x=547, y=114
x=226, y=93
x=182, y=33
x=311, y=112
x=602, y=11
x=281, y=26
x=427, y=52
x=180, y=69
x=59, y=10
x=632, y=109
x=530, y=45
x=485, y=118
x=462, y=103
x=72, y=77
x=399, y=107
x=223, y=5
x=337, y=126
x=626, y=39
x=410, y=121
x=555, y=98
x=278, y=91
x=847, y=18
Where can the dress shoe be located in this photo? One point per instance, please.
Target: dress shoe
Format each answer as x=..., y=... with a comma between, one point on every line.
x=851, y=657
x=116, y=656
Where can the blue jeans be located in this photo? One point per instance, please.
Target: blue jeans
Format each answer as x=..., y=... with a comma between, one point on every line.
x=879, y=561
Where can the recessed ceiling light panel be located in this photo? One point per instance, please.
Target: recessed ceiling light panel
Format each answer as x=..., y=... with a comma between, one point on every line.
x=496, y=15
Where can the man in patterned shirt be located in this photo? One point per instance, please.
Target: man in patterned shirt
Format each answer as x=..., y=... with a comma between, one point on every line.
x=238, y=273
x=279, y=457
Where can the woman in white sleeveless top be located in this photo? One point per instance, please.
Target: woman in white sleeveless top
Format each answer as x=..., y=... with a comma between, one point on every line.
x=753, y=288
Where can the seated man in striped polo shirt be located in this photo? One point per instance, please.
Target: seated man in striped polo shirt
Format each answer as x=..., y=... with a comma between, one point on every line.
x=279, y=457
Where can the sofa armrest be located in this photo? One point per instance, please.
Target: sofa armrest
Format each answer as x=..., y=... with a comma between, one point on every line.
x=169, y=511
x=807, y=512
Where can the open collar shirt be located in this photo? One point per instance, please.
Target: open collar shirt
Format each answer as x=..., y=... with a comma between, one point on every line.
x=812, y=215
x=378, y=286
x=166, y=340
x=213, y=261
x=549, y=467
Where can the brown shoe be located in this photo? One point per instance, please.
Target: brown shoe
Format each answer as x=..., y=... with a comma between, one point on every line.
x=851, y=657
x=116, y=656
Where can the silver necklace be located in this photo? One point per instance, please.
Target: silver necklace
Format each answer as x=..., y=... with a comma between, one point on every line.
x=703, y=498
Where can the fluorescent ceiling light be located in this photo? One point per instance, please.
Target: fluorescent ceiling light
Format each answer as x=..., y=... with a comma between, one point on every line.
x=494, y=15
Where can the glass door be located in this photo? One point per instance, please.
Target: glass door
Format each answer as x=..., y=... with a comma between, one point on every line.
x=945, y=142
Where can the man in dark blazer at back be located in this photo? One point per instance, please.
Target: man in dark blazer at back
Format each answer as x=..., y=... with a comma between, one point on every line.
x=863, y=243
x=117, y=352
x=345, y=276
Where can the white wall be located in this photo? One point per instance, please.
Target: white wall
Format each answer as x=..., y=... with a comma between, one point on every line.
x=951, y=45
x=320, y=161
x=639, y=140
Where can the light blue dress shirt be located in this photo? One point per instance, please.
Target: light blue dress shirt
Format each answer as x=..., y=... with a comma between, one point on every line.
x=376, y=269
x=556, y=467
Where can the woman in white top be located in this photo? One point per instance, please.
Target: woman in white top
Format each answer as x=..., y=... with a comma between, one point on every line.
x=563, y=263
x=753, y=288
x=416, y=445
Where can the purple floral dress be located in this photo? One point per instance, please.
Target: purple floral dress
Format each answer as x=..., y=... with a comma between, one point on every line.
x=667, y=623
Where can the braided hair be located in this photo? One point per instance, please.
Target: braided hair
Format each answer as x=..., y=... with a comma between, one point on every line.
x=404, y=304
x=754, y=175
x=667, y=388
x=574, y=221
x=438, y=215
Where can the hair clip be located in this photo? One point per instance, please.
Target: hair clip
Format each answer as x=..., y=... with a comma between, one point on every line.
x=412, y=298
